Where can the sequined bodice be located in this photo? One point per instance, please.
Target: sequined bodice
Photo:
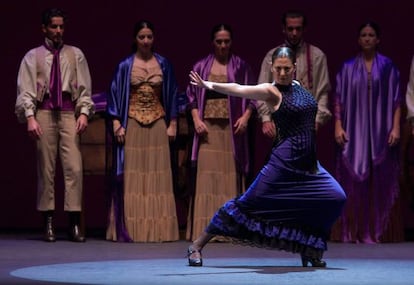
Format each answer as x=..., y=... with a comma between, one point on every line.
x=295, y=121
x=297, y=112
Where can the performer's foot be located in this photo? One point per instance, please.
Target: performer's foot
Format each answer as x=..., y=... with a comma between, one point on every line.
x=49, y=235
x=194, y=257
x=75, y=234
x=315, y=262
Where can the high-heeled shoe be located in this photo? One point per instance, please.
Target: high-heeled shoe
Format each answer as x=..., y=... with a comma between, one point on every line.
x=198, y=261
x=315, y=262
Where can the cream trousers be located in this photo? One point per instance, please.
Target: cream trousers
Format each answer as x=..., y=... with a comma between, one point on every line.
x=59, y=137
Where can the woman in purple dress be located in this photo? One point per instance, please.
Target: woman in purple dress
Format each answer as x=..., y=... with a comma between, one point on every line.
x=293, y=202
x=367, y=131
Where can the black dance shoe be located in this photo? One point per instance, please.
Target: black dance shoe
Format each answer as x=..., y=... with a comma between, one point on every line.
x=49, y=235
x=315, y=262
x=198, y=261
x=75, y=234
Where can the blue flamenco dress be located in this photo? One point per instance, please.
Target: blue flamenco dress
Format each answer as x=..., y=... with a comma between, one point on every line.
x=293, y=202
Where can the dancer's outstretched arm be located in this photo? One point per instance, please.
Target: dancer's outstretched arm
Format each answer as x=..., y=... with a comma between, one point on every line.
x=264, y=92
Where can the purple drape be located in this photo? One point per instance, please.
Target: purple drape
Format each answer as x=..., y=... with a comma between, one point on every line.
x=367, y=167
x=237, y=71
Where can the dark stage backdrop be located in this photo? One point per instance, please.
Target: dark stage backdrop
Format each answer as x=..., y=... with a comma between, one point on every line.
x=103, y=30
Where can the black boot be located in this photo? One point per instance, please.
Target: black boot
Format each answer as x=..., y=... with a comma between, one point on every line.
x=49, y=233
x=75, y=233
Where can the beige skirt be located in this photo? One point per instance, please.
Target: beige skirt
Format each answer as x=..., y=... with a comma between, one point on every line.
x=216, y=180
x=149, y=203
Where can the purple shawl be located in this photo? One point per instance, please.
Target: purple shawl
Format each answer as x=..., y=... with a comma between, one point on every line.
x=237, y=71
x=367, y=163
x=367, y=120
x=118, y=99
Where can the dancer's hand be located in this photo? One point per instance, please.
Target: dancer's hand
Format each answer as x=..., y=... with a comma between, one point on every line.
x=198, y=81
x=269, y=129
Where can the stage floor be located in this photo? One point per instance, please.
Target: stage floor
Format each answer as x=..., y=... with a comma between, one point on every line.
x=25, y=259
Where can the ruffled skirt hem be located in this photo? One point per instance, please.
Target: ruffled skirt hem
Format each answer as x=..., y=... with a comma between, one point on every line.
x=243, y=229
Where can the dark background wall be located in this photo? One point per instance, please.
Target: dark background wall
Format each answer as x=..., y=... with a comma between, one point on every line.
x=103, y=30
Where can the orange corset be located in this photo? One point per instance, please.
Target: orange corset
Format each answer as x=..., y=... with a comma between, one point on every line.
x=144, y=102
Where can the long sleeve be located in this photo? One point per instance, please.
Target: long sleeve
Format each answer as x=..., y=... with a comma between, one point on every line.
x=321, y=88
x=26, y=87
x=84, y=103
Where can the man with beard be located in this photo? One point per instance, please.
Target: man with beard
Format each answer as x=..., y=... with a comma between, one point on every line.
x=54, y=99
x=311, y=70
